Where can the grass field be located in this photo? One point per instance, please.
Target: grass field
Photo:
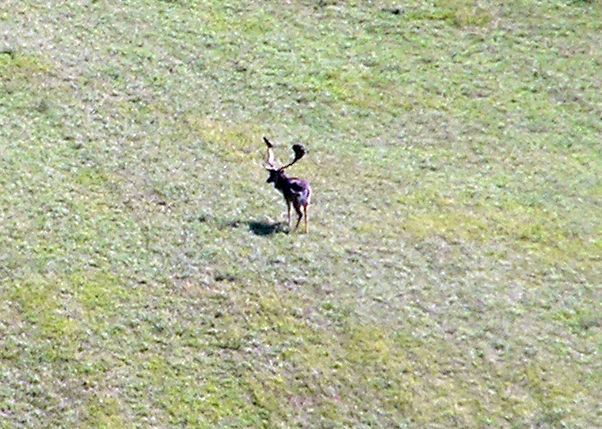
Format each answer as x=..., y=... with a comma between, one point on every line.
x=452, y=273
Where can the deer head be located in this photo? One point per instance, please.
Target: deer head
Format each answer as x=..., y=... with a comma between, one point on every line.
x=278, y=172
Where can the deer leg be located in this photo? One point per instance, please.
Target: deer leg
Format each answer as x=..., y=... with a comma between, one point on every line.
x=305, y=208
x=288, y=207
x=299, y=214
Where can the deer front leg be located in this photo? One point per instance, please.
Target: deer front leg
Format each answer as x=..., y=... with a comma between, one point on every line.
x=288, y=207
x=299, y=214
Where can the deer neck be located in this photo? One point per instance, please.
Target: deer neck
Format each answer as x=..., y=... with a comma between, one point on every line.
x=282, y=182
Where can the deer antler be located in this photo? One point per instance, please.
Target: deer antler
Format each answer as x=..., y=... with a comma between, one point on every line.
x=269, y=161
x=299, y=152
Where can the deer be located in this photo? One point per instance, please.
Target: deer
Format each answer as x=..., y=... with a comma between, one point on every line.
x=296, y=191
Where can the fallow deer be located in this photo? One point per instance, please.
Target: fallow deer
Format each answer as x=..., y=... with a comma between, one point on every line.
x=296, y=192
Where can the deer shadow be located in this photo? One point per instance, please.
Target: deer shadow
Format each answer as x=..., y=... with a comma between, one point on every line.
x=257, y=227
x=266, y=228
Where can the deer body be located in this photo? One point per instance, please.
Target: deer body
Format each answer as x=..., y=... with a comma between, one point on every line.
x=297, y=192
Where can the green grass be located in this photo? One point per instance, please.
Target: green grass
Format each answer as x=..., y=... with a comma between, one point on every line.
x=451, y=277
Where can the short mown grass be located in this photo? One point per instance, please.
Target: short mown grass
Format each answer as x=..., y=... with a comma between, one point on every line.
x=451, y=277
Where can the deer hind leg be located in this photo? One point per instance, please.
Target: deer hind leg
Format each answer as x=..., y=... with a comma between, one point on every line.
x=305, y=219
x=299, y=213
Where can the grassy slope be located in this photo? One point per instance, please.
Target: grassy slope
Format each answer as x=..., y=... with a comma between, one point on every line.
x=452, y=274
